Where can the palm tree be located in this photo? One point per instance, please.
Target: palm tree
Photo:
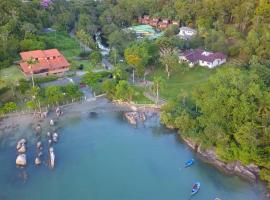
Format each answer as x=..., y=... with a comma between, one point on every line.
x=117, y=73
x=30, y=63
x=157, y=86
x=86, y=40
x=183, y=96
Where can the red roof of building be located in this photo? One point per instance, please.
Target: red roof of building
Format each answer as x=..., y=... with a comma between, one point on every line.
x=58, y=63
x=51, y=53
x=31, y=54
x=48, y=60
x=199, y=54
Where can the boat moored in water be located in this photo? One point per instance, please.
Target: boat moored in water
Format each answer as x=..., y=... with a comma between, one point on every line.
x=189, y=163
x=195, y=188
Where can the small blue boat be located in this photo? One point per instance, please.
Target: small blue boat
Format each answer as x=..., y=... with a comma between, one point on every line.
x=189, y=163
x=195, y=188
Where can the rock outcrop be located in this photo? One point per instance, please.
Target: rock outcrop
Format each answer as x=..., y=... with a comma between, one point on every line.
x=51, y=122
x=52, y=157
x=21, y=146
x=22, y=149
x=134, y=117
x=37, y=161
x=249, y=172
x=55, y=137
x=21, y=160
x=58, y=112
x=38, y=128
x=39, y=145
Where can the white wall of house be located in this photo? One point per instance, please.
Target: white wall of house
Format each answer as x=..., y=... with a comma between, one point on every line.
x=205, y=64
x=186, y=33
x=213, y=64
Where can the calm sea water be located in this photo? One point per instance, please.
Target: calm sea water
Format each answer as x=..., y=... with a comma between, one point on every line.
x=104, y=158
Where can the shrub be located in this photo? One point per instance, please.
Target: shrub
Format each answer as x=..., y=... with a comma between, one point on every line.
x=45, y=79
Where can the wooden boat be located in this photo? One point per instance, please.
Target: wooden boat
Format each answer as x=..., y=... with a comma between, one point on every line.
x=195, y=188
x=189, y=163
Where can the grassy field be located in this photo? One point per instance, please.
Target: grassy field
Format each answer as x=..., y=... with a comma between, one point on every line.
x=11, y=73
x=139, y=97
x=69, y=46
x=182, y=81
x=62, y=41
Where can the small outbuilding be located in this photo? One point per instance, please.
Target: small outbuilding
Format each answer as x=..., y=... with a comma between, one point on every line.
x=187, y=33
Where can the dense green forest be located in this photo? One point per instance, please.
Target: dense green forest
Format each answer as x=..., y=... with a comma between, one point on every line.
x=230, y=112
x=237, y=27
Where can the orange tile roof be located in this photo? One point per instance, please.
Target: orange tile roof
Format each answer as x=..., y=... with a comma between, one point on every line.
x=51, y=53
x=32, y=54
x=56, y=61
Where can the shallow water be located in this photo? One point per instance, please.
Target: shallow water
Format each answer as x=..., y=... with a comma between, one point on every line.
x=104, y=158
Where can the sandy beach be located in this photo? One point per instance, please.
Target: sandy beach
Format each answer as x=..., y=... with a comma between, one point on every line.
x=22, y=121
x=14, y=122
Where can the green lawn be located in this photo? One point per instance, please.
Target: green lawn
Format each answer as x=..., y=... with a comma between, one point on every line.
x=12, y=73
x=69, y=46
x=62, y=41
x=139, y=97
x=182, y=81
x=9, y=75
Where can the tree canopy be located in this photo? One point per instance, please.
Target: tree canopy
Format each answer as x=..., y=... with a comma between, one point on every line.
x=230, y=113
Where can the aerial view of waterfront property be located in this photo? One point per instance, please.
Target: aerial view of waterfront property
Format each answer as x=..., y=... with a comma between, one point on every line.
x=135, y=99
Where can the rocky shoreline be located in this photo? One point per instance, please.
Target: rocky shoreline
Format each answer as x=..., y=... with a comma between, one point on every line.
x=249, y=172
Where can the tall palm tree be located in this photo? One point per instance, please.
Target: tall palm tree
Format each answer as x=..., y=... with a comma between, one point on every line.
x=117, y=73
x=86, y=40
x=30, y=63
x=157, y=86
x=183, y=96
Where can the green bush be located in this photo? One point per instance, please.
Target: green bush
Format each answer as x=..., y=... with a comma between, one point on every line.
x=45, y=79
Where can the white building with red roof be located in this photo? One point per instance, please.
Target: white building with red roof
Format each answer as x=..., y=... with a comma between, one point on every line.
x=48, y=62
x=203, y=58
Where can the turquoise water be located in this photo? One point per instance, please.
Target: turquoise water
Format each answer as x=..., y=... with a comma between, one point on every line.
x=104, y=158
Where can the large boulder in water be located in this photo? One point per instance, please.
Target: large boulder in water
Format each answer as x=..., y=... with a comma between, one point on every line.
x=131, y=117
x=21, y=160
x=52, y=157
x=55, y=137
x=51, y=122
x=20, y=143
x=49, y=135
x=37, y=161
x=38, y=128
x=22, y=149
x=39, y=145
